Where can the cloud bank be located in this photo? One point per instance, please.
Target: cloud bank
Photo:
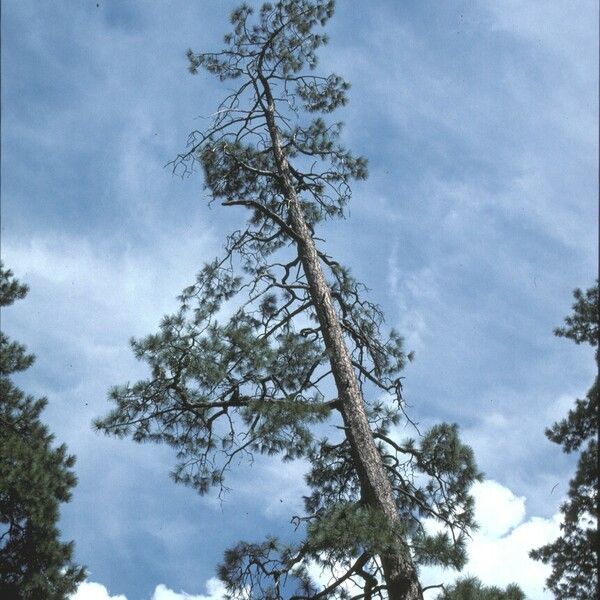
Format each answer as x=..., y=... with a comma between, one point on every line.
x=499, y=550
x=96, y=591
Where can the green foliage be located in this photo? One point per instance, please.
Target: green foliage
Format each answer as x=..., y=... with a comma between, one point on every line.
x=350, y=528
x=582, y=325
x=243, y=367
x=574, y=555
x=10, y=288
x=470, y=588
x=35, y=478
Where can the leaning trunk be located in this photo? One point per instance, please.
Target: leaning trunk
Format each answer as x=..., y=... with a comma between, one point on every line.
x=399, y=571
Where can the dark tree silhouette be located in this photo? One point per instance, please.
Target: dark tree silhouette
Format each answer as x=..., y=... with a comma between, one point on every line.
x=470, y=588
x=35, y=477
x=574, y=555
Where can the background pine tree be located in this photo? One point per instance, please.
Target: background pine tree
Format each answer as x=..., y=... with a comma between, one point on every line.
x=470, y=588
x=574, y=555
x=35, y=477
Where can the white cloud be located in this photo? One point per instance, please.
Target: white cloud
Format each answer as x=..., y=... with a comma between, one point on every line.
x=90, y=590
x=411, y=291
x=498, y=509
x=114, y=276
x=508, y=421
x=555, y=25
x=214, y=587
x=499, y=551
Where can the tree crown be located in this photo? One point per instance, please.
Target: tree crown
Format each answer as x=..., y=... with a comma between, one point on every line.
x=243, y=366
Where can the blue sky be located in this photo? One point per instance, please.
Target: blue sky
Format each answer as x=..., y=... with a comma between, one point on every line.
x=478, y=219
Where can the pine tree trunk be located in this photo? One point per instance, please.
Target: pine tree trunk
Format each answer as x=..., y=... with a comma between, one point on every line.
x=399, y=571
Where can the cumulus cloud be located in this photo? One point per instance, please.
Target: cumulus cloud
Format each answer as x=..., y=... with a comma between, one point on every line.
x=214, y=587
x=499, y=551
x=489, y=496
x=90, y=590
x=498, y=436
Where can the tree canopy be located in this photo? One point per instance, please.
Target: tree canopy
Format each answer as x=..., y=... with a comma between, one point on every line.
x=276, y=348
x=574, y=554
x=470, y=588
x=35, y=478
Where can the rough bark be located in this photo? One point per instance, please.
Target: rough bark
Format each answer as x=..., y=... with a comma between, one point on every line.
x=399, y=571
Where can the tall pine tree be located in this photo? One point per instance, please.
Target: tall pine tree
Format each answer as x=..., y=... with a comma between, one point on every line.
x=574, y=555
x=303, y=346
x=35, y=477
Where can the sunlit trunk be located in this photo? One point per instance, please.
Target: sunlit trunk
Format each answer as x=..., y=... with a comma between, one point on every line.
x=399, y=571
